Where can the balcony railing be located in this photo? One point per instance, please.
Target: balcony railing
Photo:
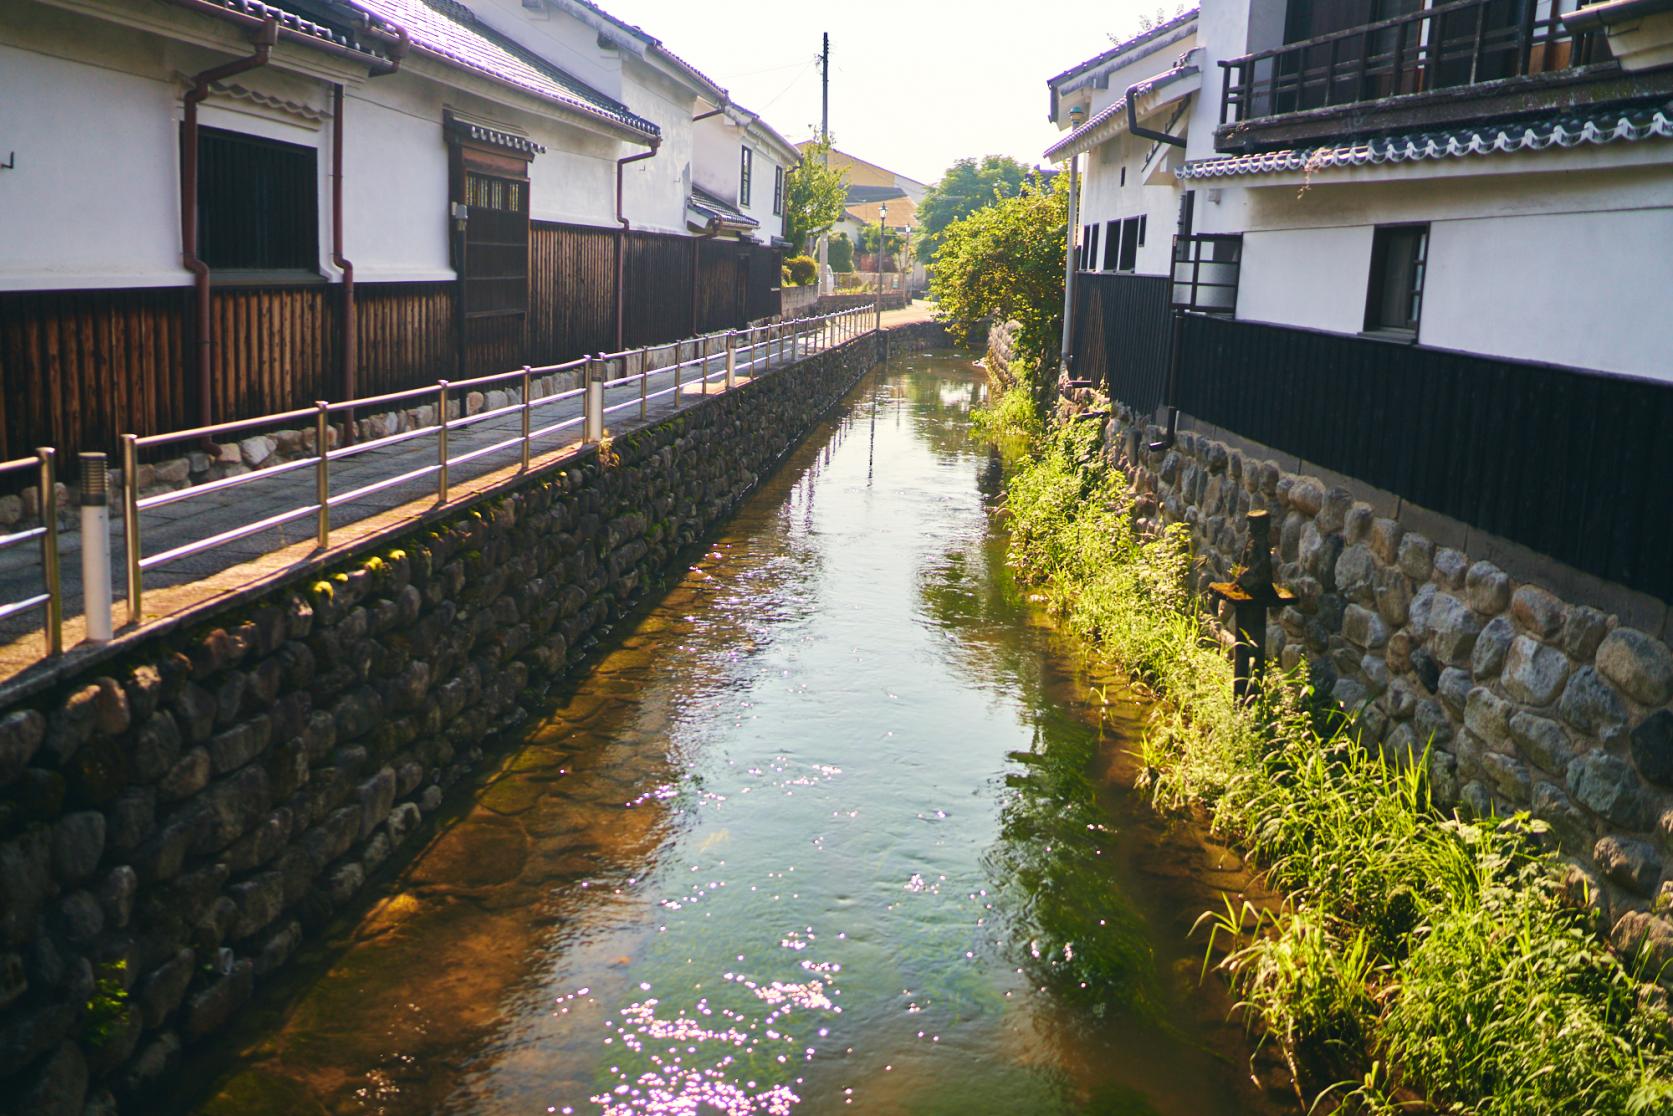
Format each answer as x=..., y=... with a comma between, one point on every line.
x=1450, y=45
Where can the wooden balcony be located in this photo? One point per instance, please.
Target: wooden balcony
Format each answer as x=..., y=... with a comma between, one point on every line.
x=1453, y=63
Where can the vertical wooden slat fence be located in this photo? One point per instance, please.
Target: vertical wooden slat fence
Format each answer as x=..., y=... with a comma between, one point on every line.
x=79, y=368
x=1571, y=464
x=1121, y=335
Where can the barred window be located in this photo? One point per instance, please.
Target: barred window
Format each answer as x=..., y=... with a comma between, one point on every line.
x=744, y=174
x=258, y=203
x=778, y=191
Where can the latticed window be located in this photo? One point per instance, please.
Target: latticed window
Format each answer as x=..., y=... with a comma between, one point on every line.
x=496, y=263
x=745, y=172
x=778, y=191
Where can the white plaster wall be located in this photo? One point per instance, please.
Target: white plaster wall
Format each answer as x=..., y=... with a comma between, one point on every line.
x=94, y=197
x=1104, y=198
x=654, y=190
x=395, y=188
x=1315, y=278
x=715, y=158
x=567, y=42
x=1584, y=289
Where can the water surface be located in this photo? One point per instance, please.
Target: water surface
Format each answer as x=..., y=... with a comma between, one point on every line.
x=837, y=827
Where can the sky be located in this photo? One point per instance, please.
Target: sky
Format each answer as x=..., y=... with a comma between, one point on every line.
x=915, y=84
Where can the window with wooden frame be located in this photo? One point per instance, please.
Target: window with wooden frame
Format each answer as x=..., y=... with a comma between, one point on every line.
x=1394, y=299
x=492, y=251
x=1129, y=259
x=778, y=191
x=1092, y=249
x=258, y=203
x=746, y=170
x=1112, y=245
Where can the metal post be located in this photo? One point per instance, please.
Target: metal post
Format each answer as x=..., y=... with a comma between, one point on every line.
x=441, y=442
x=49, y=553
x=593, y=408
x=644, y=382
x=528, y=380
x=731, y=359
x=679, y=354
x=322, y=472
x=130, y=522
x=95, y=546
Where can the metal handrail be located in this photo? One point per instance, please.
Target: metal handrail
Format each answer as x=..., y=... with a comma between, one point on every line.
x=51, y=600
x=756, y=348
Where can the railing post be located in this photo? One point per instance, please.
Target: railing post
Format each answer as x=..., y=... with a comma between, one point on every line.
x=130, y=523
x=644, y=383
x=441, y=441
x=49, y=553
x=528, y=381
x=679, y=355
x=95, y=546
x=322, y=472
x=593, y=403
x=731, y=359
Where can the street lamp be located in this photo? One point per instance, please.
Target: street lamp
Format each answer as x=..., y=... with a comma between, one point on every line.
x=882, y=230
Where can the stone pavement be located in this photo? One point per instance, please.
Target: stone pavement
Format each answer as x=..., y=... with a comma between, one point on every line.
x=266, y=493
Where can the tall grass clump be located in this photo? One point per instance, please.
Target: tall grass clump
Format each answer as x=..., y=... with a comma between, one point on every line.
x=1415, y=954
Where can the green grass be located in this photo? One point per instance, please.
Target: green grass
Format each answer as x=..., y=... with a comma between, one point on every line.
x=1416, y=954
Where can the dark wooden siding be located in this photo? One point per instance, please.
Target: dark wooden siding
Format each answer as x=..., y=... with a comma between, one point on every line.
x=1575, y=465
x=1121, y=335
x=572, y=292
x=80, y=368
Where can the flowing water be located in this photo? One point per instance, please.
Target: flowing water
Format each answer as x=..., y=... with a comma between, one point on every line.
x=837, y=827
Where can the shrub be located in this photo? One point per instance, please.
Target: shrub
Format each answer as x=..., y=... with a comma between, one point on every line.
x=800, y=271
x=841, y=253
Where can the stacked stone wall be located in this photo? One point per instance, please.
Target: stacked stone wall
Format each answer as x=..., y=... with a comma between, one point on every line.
x=1526, y=700
x=173, y=827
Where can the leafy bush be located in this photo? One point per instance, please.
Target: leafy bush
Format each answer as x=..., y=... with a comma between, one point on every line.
x=1436, y=951
x=840, y=254
x=800, y=271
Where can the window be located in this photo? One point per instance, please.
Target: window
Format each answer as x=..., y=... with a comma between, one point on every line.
x=1129, y=245
x=1394, y=301
x=258, y=203
x=1092, y=249
x=1112, y=245
x=747, y=169
x=496, y=271
x=1205, y=272
x=778, y=191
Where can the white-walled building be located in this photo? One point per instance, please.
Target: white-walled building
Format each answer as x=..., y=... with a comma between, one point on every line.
x=341, y=196
x=741, y=163
x=1412, y=164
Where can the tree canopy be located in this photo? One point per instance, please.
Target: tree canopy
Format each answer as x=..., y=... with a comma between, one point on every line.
x=814, y=195
x=968, y=185
x=1005, y=262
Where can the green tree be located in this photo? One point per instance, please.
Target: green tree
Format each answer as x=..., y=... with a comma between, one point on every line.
x=968, y=185
x=814, y=196
x=1004, y=262
x=841, y=254
x=893, y=241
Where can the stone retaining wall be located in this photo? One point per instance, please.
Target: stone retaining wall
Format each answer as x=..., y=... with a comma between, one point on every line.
x=1529, y=700
x=172, y=828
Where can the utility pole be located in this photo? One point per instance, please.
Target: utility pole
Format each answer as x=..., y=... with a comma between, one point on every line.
x=825, y=139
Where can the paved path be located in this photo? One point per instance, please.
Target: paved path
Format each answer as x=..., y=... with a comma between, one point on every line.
x=179, y=524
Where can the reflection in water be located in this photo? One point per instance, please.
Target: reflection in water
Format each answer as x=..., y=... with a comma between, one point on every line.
x=834, y=828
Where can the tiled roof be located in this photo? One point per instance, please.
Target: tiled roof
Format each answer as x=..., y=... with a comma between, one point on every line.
x=1091, y=133
x=711, y=206
x=1611, y=126
x=861, y=194
x=449, y=31
x=291, y=21
x=1126, y=45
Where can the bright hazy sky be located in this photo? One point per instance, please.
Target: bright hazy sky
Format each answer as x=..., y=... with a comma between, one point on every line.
x=915, y=84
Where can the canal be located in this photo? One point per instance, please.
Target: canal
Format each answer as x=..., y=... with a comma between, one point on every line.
x=840, y=825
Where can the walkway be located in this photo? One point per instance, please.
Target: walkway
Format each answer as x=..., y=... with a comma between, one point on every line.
x=233, y=568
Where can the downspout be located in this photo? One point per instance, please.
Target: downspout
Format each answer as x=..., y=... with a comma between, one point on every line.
x=266, y=35
x=1176, y=335
x=1069, y=261
x=1133, y=125
x=351, y=333
x=621, y=241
